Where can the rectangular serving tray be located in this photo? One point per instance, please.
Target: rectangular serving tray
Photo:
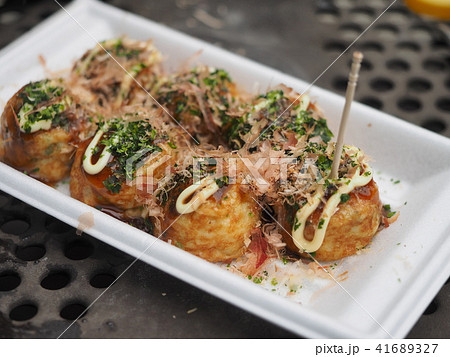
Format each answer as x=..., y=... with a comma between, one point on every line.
x=387, y=286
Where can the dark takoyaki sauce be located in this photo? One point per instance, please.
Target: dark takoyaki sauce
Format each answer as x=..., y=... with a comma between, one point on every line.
x=172, y=212
x=112, y=211
x=97, y=180
x=170, y=208
x=366, y=192
x=143, y=224
x=189, y=198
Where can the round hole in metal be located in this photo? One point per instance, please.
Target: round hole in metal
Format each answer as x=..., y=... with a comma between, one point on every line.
x=362, y=10
x=397, y=65
x=344, y=4
x=78, y=250
x=73, y=311
x=434, y=65
x=102, y=281
x=362, y=14
x=15, y=226
x=9, y=281
x=372, y=102
x=23, y=312
x=335, y=46
x=397, y=15
x=54, y=225
x=431, y=309
x=435, y=124
x=328, y=15
x=443, y=104
x=31, y=252
x=419, y=84
x=10, y=17
x=409, y=104
x=408, y=46
x=439, y=44
x=340, y=83
x=55, y=280
x=421, y=32
x=371, y=46
x=381, y=84
x=45, y=14
x=365, y=65
x=386, y=31
x=350, y=30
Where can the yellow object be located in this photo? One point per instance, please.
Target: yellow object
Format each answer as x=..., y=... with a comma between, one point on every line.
x=437, y=8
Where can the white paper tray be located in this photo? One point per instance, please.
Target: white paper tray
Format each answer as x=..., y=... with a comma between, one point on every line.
x=391, y=283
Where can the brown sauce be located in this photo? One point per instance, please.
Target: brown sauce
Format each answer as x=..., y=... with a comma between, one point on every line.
x=366, y=192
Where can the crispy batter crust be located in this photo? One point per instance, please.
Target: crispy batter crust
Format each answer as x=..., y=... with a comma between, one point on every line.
x=91, y=190
x=46, y=155
x=217, y=230
x=351, y=228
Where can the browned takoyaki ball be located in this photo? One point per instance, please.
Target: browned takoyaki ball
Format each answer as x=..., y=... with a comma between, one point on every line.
x=350, y=229
x=119, y=168
x=40, y=128
x=92, y=189
x=116, y=71
x=218, y=230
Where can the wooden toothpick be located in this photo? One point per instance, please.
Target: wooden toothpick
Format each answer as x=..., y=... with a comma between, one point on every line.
x=349, y=95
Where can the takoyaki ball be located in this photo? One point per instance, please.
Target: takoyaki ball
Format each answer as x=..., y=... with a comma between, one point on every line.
x=350, y=229
x=201, y=100
x=40, y=127
x=218, y=229
x=121, y=165
x=116, y=68
x=277, y=116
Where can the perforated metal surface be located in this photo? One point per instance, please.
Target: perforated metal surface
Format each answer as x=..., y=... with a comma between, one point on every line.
x=48, y=273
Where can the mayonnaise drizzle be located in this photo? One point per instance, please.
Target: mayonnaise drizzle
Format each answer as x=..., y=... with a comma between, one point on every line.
x=33, y=127
x=27, y=109
x=198, y=194
x=93, y=169
x=347, y=185
x=304, y=102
